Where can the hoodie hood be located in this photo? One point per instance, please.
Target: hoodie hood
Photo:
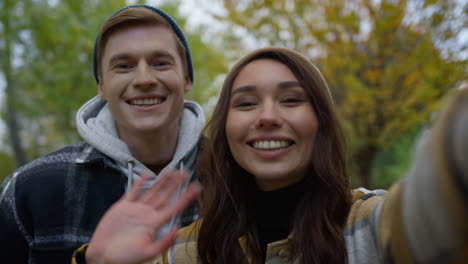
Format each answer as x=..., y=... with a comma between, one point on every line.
x=96, y=126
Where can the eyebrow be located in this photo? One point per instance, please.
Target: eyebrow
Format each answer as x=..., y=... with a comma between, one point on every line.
x=244, y=89
x=118, y=57
x=289, y=84
x=251, y=88
x=125, y=56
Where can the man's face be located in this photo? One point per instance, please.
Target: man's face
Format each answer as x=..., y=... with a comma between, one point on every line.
x=143, y=79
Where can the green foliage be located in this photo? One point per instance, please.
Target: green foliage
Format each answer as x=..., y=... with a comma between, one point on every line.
x=392, y=163
x=53, y=65
x=50, y=69
x=7, y=164
x=209, y=61
x=387, y=68
x=56, y=70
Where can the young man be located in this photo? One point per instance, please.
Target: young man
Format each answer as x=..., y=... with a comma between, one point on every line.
x=138, y=124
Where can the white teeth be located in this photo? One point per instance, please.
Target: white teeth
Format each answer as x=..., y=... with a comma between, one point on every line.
x=270, y=144
x=146, y=101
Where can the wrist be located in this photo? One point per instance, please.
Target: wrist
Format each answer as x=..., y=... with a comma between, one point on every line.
x=91, y=255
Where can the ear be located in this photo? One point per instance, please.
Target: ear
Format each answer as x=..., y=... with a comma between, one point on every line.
x=188, y=85
x=101, y=90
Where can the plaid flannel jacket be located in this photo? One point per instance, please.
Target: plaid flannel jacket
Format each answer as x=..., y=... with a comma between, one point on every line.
x=51, y=206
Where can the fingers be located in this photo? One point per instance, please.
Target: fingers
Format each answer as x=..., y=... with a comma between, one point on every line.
x=158, y=188
x=134, y=193
x=163, y=190
x=161, y=245
x=177, y=206
x=159, y=196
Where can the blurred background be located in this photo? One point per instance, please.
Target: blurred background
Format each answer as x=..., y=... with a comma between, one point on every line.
x=388, y=63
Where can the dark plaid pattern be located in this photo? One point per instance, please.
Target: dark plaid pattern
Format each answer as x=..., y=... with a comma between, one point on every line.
x=51, y=206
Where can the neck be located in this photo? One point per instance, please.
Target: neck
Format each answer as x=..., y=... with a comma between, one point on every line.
x=156, y=149
x=275, y=212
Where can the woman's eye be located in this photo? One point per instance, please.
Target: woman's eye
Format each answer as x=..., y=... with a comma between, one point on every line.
x=244, y=104
x=292, y=100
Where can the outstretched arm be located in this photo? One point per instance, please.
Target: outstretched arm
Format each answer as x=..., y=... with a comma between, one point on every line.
x=429, y=210
x=127, y=232
x=424, y=217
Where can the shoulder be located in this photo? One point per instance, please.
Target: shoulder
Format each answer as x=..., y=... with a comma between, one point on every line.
x=71, y=185
x=43, y=176
x=47, y=164
x=64, y=159
x=365, y=202
x=363, y=194
x=190, y=230
x=185, y=248
x=53, y=160
x=361, y=232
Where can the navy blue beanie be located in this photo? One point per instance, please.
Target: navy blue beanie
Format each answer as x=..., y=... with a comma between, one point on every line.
x=174, y=26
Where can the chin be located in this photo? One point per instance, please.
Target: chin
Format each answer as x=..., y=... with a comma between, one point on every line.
x=275, y=180
x=147, y=129
x=149, y=125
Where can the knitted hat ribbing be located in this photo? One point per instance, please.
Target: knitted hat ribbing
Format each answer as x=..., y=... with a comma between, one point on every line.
x=174, y=26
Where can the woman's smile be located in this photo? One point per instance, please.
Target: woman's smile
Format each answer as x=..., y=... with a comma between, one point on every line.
x=271, y=124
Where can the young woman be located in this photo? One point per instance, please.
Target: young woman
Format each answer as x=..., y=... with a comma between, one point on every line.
x=275, y=185
x=275, y=164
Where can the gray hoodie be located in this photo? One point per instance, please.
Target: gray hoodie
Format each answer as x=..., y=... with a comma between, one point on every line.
x=96, y=125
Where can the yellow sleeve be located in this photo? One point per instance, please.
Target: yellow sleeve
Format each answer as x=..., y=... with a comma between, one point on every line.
x=79, y=255
x=424, y=219
x=184, y=250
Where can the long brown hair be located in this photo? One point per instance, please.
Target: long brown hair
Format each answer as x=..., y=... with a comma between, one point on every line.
x=321, y=216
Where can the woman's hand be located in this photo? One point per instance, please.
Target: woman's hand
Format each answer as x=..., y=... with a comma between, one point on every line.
x=127, y=231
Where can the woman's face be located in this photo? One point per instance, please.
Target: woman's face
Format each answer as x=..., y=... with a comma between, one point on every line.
x=271, y=124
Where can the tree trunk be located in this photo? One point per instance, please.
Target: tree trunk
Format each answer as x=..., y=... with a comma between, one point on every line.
x=12, y=117
x=364, y=159
x=14, y=133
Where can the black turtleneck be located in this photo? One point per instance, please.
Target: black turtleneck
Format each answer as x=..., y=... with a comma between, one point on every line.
x=274, y=213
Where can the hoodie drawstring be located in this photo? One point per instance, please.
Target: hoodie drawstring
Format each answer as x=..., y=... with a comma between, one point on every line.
x=175, y=220
x=130, y=166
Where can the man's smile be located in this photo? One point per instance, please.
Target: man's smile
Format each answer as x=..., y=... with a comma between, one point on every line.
x=146, y=101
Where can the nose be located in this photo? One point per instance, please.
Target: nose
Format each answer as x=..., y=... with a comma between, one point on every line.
x=144, y=78
x=269, y=116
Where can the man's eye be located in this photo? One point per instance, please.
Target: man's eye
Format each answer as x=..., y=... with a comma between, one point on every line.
x=122, y=66
x=161, y=64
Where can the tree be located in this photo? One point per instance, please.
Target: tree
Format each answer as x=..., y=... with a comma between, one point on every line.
x=387, y=62
x=46, y=65
x=8, y=30
x=52, y=72
x=56, y=70
x=208, y=56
